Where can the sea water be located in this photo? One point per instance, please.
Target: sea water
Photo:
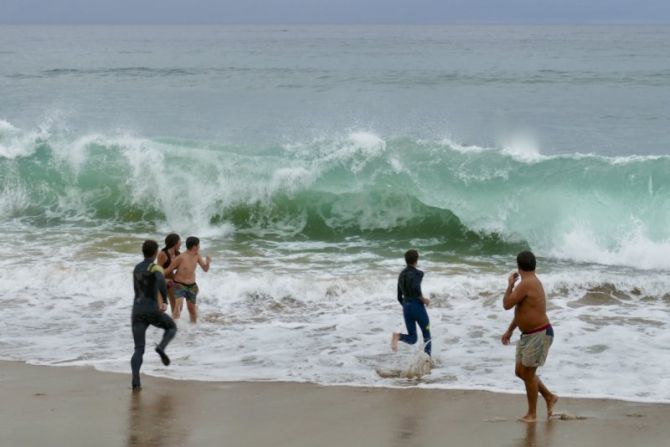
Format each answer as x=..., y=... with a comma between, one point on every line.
x=308, y=159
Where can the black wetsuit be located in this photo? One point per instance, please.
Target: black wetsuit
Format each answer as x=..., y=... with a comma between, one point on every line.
x=147, y=285
x=413, y=309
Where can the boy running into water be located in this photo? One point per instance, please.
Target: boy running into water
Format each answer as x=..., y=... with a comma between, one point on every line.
x=537, y=335
x=413, y=304
x=148, y=309
x=185, y=287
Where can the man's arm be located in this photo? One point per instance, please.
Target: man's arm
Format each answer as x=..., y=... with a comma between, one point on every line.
x=513, y=296
x=204, y=264
x=512, y=325
x=506, y=337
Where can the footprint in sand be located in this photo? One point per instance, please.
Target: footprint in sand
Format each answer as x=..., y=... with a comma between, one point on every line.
x=496, y=419
x=568, y=417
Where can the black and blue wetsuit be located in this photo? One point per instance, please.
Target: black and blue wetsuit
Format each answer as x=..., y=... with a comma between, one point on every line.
x=414, y=311
x=147, y=285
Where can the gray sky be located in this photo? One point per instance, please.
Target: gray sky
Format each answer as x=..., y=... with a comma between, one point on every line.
x=332, y=11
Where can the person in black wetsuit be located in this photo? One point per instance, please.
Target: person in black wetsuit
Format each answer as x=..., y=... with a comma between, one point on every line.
x=413, y=305
x=149, y=309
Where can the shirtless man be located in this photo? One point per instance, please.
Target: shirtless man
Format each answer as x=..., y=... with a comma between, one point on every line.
x=530, y=316
x=185, y=287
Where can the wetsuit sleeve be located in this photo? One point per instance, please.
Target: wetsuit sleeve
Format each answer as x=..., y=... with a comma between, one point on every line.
x=135, y=287
x=419, y=278
x=400, y=289
x=162, y=286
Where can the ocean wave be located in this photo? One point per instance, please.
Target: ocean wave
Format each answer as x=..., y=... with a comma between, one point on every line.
x=579, y=207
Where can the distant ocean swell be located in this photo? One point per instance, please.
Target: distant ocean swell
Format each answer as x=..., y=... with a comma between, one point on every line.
x=280, y=74
x=357, y=184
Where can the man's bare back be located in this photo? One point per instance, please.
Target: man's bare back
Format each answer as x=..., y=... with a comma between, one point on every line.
x=531, y=312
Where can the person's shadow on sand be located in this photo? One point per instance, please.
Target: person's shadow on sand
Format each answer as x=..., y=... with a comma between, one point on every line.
x=152, y=421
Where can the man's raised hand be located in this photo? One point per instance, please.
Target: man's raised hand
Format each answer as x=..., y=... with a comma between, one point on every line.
x=512, y=279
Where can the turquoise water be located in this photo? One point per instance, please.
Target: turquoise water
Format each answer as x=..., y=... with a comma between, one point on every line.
x=308, y=159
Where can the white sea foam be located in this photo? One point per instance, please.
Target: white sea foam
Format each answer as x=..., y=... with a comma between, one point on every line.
x=285, y=317
x=14, y=143
x=637, y=249
x=13, y=200
x=6, y=126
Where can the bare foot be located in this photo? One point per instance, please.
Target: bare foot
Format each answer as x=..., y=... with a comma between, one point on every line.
x=395, y=338
x=550, y=405
x=528, y=418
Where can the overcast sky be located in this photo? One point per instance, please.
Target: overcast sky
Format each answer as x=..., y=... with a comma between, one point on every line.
x=332, y=11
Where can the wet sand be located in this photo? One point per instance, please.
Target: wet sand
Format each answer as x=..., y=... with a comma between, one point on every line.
x=82, y=407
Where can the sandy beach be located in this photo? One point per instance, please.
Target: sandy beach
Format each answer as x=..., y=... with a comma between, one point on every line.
x=77, y=406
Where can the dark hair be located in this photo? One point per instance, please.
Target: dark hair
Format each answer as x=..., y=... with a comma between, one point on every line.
x=411, y=257
x=192, y=241
x=526, y=261
x=149, y=248
x=171, y=240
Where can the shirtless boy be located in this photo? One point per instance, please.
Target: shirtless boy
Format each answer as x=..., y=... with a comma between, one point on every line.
x=530, y=316
x=185, y=287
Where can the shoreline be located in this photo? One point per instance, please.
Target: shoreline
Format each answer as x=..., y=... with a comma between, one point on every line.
x=69, y=405
x=419, y=385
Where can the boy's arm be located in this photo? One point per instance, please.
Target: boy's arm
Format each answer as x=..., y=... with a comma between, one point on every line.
x=204, y=264
x=399, y=290
x=174, y=265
